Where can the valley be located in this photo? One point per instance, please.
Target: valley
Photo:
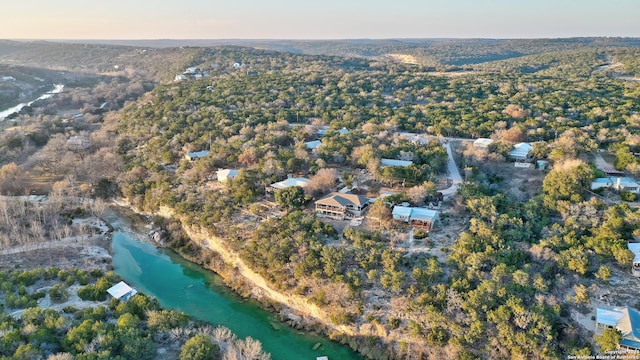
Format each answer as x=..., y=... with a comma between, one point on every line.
x=377, y=191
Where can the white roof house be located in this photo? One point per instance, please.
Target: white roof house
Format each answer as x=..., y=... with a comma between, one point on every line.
x=415, y=138
x=180, y=77
x=302, y=182
x=394, y=162
x=197, y=155
x=122, y=291
x=627, y=184
x=78, y=143
x=625, y=319
x=417, y=216
x=8, y=78
x=311, y=145
x=225, y=175
x=619, y=183
x=482, y=143
x=521, y=151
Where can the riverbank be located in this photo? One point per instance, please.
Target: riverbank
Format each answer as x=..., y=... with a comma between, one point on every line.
x=15, y=109
x=209, y=252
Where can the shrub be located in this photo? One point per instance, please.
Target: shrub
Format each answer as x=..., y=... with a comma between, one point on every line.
x=628, y=196
x=128, y=320
x=199, y=347
x=420, y=234
x=58, y=293
x=394, y=323
x=166, y=319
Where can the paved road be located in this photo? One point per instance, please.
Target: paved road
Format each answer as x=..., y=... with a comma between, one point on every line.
x=452, y=168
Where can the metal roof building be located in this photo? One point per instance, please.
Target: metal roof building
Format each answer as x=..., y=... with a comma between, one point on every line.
x=625, y=319
x=122, y=291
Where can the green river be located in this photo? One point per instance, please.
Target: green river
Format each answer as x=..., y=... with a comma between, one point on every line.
x=187, y=287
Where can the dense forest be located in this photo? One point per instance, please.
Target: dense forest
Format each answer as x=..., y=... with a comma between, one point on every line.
x=523, y=259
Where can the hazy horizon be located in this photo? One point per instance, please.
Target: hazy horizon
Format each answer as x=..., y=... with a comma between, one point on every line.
x=328, y=20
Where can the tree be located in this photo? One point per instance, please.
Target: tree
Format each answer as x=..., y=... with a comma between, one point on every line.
x=604, y=273
x=381, y=212
x=567, y=181
x=27, y=352
x=12, y=179
x=540, y=150
x=166, y=319
x=290, y=198
x=199, y=347
x=609, y=340
x=582, y=294
x=128, y=320
x=501, y=147
x=321, y=182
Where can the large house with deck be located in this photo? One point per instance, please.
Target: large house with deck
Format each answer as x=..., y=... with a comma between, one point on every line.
x=340, y=206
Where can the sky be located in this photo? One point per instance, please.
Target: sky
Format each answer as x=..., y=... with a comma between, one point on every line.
x=317, y=19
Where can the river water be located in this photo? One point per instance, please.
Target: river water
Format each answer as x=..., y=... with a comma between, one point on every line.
x=57, y=89
x=187, y=287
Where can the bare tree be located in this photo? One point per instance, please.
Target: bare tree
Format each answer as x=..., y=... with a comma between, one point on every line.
x=12, y=179
x=322, y=181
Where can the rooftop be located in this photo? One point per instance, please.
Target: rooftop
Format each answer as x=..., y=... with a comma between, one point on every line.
x=342, y=200
x=635, y=249
x=625, y=319
x=313, y=144
x=121, y=289
x=302, y=182
x=521, y=150
x=483, y=142
x=393, y=162
x=198, y=154
x=415, y=213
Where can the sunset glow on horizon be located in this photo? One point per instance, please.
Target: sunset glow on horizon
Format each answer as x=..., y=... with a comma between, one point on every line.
x=305, y=19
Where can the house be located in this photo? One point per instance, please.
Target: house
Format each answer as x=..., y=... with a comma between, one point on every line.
x=196, y=155
x=77, y=143
x=635, y=249
x=521, y=152
x=312, y=145
x=8, y=78
x=340, y=206
x=393, y=162
x=619, y=184
x=122, y=291
x=289, y=182
x=180, y=77
x=419, y=217
x=600, y=183
x=627, y=184
x=482, y=143
x=415, y=138
x=625, y=319
x=225, y=175
x=191, y=70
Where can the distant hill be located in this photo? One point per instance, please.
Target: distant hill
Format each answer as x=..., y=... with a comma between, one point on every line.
x=118, y=60
x=161, y=60
x=430, y=52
